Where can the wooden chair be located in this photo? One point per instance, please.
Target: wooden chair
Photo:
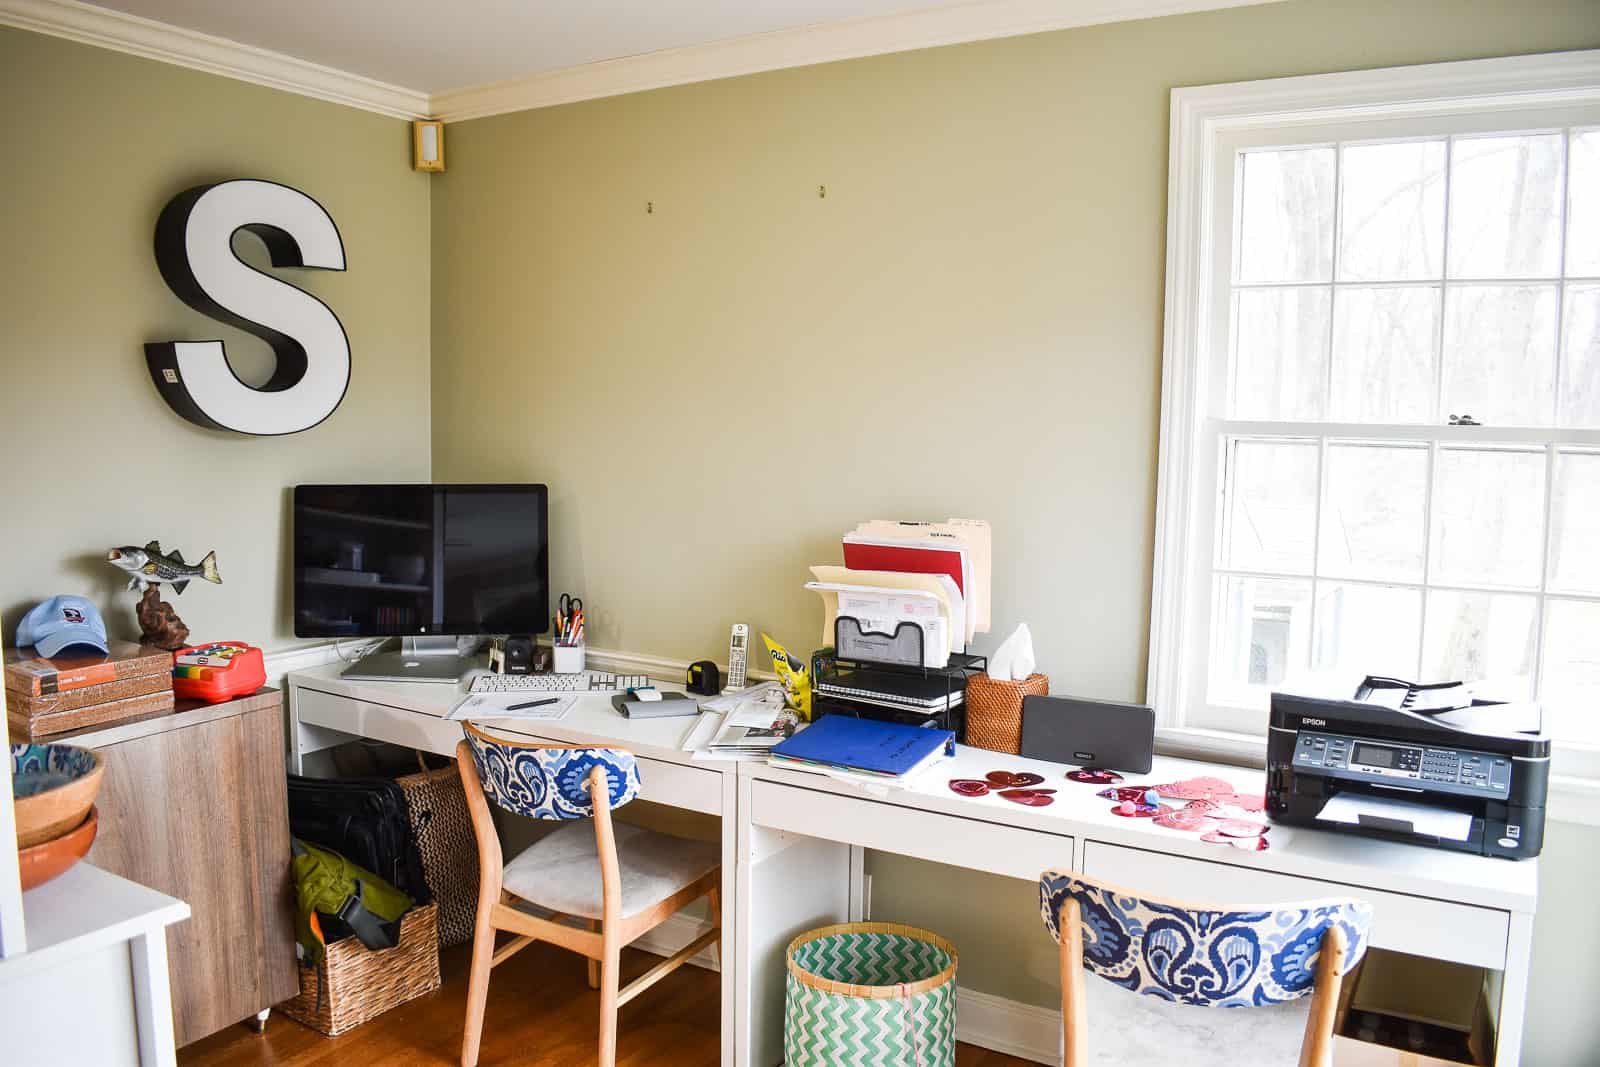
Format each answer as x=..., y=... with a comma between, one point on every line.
x=1191, y=954
x=605, y=886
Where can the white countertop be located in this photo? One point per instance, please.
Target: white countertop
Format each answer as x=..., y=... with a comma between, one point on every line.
x=591, y=718
x=84, y=909
x=1077, y=811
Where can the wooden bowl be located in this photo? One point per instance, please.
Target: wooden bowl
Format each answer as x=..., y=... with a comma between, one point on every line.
x=55, y=785
x=43, y=862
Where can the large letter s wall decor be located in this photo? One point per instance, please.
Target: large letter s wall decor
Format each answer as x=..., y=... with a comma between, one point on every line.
x=195, y=255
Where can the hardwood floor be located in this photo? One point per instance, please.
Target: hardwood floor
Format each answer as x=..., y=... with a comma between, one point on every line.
x=541, y=1013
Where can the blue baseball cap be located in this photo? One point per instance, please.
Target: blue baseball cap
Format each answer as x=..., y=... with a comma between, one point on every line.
x=60, y=622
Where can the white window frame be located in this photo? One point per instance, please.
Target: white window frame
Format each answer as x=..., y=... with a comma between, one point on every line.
x=1207, y=123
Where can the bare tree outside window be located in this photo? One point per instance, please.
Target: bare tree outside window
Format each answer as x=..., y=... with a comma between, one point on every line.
x=1386, y=294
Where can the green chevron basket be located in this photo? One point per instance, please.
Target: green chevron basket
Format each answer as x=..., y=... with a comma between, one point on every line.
x=870, y=995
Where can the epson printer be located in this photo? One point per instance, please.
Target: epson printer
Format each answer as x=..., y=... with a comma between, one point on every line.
x=1472, y=779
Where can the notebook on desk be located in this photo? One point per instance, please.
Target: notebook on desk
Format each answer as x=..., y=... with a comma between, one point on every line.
x=926, y=692
x=864, y=745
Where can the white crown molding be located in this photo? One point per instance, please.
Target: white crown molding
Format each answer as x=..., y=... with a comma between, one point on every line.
x=803, y=46
x=149, y=39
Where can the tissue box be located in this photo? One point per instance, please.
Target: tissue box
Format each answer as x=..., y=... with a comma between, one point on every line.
x=994, y=710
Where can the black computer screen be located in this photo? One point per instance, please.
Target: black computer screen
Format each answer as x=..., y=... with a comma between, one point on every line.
x=381, y=560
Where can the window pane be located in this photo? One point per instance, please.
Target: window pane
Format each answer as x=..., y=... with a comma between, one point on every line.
x=1367, y=629
x=1392, y=218
x=1485, y=638
x=1580, y=356
x=1570, y=686
x=1286, y=223
x=1500, y=353
x=1272, y=502
x=1575, y=546
x=1384, y=344
x=1583, y=205
x=1372, y=520
x=1488, y=518
x=1505, y=207
x=1281, y=354
x=1262, y=637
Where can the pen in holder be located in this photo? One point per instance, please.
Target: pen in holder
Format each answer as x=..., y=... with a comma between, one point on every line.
x=568, y=644
x=568, y=659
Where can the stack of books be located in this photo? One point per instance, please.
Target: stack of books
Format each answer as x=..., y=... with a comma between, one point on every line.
x=45, y=697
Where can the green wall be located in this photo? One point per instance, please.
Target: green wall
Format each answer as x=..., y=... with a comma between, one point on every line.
x=96, y=144
x=703, y=386
x=968, y=324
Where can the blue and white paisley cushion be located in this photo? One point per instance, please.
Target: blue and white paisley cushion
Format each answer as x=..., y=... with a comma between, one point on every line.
x=549, y=783
x=1223, y=959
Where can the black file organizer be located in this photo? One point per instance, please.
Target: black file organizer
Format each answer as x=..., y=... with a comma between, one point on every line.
x=826, y=663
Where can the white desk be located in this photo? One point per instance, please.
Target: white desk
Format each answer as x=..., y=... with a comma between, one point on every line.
x=800, y=835
x=326, y=709
x=93, y=985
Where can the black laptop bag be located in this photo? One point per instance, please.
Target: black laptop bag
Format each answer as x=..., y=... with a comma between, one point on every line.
x=364, y=820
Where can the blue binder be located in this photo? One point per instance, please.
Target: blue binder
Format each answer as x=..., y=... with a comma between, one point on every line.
x=886, y=748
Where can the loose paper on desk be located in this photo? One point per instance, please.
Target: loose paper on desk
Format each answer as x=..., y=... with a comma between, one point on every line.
x=1013, y=660
x=498, y=706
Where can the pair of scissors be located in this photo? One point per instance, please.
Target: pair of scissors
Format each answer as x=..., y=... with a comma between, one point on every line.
x=568, y=606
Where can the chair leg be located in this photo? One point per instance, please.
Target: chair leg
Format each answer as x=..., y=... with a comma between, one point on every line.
x=610, y=979
x=594, y=964
x=1316, y=1050
x=477, y=987
x=714, y=902
x=1074, y=1028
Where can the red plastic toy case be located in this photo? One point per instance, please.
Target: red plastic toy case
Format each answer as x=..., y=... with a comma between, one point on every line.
x=218, y=671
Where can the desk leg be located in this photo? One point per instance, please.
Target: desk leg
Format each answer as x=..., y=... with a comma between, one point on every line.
x=727, y=968
x=1514, y=990
x=152, y=998
x=787, y=884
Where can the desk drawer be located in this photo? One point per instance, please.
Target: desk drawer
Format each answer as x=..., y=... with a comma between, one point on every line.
x=666, y=783
x=397, y=726
x=1421, y=926
x=889, y=827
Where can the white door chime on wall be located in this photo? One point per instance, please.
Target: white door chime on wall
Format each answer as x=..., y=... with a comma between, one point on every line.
x=312, y=352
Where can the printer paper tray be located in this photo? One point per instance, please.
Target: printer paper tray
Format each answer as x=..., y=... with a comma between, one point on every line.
x=1402, y=816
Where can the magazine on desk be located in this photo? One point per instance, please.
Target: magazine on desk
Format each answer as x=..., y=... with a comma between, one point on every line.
x=742, y=725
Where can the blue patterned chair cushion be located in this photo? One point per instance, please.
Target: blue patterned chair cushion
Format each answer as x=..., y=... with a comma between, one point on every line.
x=550, y=783
x=1224, y=959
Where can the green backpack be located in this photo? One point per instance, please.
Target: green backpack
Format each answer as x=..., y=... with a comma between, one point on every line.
x=326, y=882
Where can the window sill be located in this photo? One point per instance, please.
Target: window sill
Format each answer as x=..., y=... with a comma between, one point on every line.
x=1572, y=799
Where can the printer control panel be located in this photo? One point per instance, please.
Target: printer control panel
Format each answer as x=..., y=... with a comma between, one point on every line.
x=1425, y=768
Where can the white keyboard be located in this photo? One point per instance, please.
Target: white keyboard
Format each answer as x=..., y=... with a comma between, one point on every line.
x=588, y=682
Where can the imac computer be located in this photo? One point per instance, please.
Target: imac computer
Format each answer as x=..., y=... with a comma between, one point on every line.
x=425, y=563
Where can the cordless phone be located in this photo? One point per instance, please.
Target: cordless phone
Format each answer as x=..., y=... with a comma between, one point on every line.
x=738, y=642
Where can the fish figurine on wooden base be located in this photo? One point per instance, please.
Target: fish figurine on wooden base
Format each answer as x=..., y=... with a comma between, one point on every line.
x=149, y=566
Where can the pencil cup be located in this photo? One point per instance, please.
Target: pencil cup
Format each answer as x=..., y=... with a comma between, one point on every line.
x=568, y=659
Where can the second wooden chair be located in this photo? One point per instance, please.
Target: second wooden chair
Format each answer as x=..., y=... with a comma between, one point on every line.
x=601, y=888
x=1200, y=955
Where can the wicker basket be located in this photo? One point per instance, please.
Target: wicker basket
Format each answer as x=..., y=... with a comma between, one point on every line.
x=994, y=710
x=353, y=983
x=878, y=993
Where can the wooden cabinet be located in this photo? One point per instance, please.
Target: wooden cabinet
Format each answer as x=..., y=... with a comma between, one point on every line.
x=194, y=805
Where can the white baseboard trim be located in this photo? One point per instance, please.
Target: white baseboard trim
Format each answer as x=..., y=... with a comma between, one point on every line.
x=982, y=1019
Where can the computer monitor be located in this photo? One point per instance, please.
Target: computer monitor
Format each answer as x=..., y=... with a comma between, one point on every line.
x=420, y=562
